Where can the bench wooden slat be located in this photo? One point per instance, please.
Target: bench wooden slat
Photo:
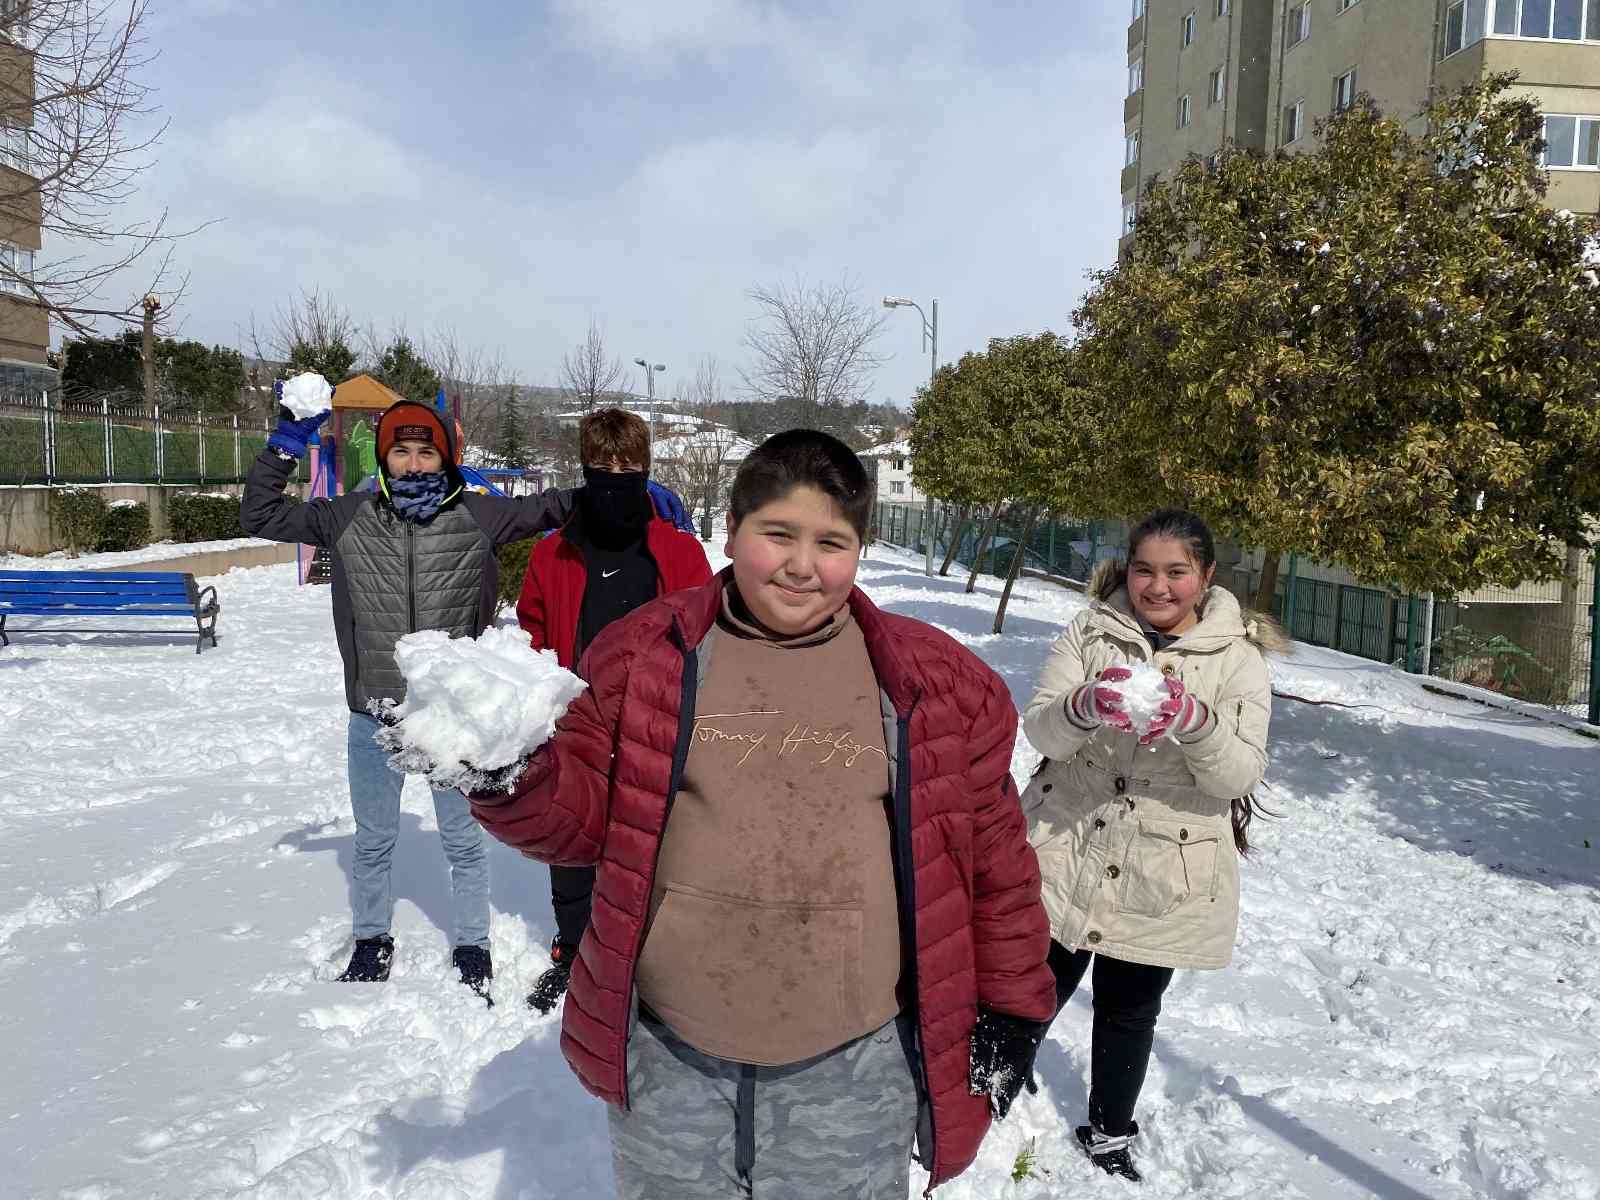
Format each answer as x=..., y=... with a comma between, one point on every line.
x=98, y=610
x=115, y=576
x=10, y=588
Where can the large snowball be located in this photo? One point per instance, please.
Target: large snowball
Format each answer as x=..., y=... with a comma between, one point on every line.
x=1143, y=695
x=474, y=707
x=306, y=395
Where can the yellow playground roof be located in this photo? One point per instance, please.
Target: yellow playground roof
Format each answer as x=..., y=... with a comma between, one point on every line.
x=365, y=392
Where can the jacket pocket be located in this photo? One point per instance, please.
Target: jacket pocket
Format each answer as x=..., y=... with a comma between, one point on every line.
x=1169, y=861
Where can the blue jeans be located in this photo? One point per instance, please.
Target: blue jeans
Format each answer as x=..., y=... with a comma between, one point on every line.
x=375, y=799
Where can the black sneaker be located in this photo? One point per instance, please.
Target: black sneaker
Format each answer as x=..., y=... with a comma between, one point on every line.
x=1109, y=1153
x=370, y=961
x=552, y=985
x=476, y=969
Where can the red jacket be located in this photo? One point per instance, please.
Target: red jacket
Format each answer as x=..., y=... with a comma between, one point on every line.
x=967, y=879
x=552, y=590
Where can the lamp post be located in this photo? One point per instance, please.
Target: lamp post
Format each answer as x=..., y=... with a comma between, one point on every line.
x=930, y=336
x=650, y=389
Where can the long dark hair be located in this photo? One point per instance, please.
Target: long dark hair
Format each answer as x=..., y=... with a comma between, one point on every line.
x=1176, y=523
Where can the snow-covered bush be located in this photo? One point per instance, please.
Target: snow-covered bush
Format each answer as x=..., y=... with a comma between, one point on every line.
x=76, y=514
x=125, y=525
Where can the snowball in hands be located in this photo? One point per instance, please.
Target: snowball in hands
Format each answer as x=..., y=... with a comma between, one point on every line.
x=474, y=707
x=1143, y=693
x=306, y=395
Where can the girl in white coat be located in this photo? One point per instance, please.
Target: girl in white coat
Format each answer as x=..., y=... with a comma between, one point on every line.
x=1137, y=833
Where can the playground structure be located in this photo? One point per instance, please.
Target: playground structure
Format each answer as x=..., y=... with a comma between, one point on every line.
x=347, y=460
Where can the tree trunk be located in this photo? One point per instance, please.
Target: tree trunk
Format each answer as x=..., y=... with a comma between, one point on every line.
x=963, y=518
x=983, y=544
x=1016, y=569
x=1266, y=589
x=147, y=348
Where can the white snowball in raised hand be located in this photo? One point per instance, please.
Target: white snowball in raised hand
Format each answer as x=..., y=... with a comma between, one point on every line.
x=306, y=395
x=1142, y=695
x=475, y=707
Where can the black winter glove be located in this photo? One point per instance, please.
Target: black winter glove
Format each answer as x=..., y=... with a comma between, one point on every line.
x=1001, y=1062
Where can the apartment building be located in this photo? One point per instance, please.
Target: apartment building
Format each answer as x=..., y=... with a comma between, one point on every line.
x=1259, y=74
x=24, y=328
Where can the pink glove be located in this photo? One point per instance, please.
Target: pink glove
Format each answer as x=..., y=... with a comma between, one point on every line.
x=1181, y=714
x=1093, y=703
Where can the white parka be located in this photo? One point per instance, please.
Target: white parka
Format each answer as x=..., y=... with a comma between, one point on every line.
x=1135, y=844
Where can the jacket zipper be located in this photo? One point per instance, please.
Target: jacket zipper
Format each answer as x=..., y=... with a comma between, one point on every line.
x=411, y=574
x=680, y=757
x=905, y=865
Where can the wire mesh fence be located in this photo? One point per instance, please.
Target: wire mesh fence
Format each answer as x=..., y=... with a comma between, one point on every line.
x=1533, y=643
x=45, y=439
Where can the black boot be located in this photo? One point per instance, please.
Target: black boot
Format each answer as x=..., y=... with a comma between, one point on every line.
x=1108, y=1153
x=552, y=985
x=369, y=963
x=476, y=969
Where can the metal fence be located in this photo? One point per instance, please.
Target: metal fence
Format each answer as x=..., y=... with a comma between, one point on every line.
x=1534, y=643
x=45, y=439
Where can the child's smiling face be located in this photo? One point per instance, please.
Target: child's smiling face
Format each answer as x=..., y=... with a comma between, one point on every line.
x=794, y=560
x=1166, y=584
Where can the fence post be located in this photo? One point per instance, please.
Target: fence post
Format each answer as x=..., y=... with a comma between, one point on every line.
x=200, y=436
x=1594, y=643
x=238, y=466
x=49, y=450
x=1053, y=524
x=105, y=417
x=1426, y=667
x=1289, y=593
x=1413, y=614
x=161, y=453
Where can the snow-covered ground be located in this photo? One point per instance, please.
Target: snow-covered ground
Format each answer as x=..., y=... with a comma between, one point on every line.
x=154, y=552
x=1412, y=1011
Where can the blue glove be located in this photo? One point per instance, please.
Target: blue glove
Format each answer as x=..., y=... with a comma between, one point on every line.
x=292, y=436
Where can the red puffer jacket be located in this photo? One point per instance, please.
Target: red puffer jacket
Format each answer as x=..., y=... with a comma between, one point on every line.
x=968, y=882
x=552, y=590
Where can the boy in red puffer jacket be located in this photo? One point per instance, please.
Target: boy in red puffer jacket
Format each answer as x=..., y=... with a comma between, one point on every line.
x=817, y=936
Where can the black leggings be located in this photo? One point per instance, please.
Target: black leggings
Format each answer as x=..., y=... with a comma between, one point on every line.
x=1127, y=1001
x=571, y=891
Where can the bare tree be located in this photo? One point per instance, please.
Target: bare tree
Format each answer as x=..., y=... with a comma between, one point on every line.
x=812, y=342
x=310, y=333
x=588, y=374
x=70, y=101
x=701, y=466
x=473, y=375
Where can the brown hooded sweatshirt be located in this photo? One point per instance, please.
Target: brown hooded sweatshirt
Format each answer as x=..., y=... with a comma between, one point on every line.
x=773, y=932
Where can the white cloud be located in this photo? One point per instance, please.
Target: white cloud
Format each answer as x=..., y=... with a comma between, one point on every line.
x=647, y=30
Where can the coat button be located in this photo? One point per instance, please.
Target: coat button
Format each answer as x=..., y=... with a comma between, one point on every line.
x=1183, y=835
x=1047, y=787
x=1099, y=823
x=1113, y=871
x=1094, y=937
x=1169, y=669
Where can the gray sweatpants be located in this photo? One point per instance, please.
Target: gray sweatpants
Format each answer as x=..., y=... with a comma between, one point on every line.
x=703, y=1128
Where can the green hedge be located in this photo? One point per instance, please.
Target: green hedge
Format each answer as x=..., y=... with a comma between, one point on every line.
x=200, y=517
x=76, y=514
x=513, y=558
x=124, y=526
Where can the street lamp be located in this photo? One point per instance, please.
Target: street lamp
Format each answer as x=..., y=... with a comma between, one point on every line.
x=930, y=335
x=650, y=389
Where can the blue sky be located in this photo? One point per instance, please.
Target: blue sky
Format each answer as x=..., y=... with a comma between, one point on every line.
x=512, y=170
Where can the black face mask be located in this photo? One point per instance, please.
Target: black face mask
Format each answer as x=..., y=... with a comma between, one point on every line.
x=616, y=506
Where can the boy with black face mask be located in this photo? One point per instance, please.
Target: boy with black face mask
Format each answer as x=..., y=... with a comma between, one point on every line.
x=612, y=556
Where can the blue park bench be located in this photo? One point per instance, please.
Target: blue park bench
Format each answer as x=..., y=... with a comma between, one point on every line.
x=109, y=594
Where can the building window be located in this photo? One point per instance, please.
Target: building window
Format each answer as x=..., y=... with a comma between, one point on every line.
x=1217, y=87
x=1344, y=91
x=16, y=261
x=1214, y=161
x=14, y=148
x=1562, y=20
x=1294, y=121
x=1298, y=28
x=1130, y=213
x=1138, y=9
x=1131, y=150
x=1136, y=74
x=1188, y=29
x=1347, y=5
x=899, y=462
x=1572, y=142
x=897, y=488
x=1222, y=8
x=1185, y=112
